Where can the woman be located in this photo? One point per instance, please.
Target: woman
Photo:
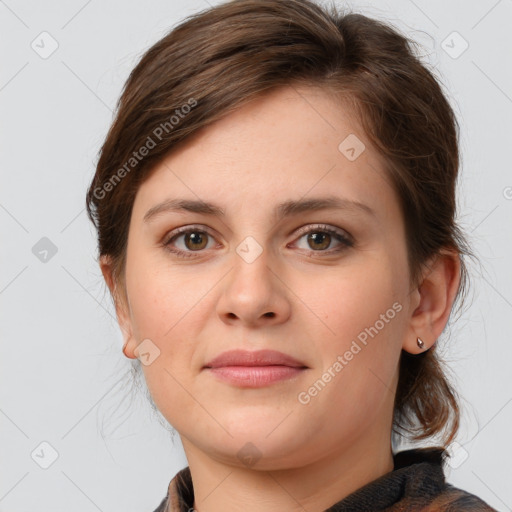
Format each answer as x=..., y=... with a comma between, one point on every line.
x=275, y=207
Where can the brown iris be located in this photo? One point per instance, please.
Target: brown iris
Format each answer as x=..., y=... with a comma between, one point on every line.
x=320, y=238
x=196, y=237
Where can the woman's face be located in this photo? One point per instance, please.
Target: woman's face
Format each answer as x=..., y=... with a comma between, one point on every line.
x=325, y=285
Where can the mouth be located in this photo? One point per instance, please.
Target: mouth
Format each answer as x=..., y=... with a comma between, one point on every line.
x=253, y=369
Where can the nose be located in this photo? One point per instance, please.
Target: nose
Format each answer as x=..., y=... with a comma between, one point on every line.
x=253, y=294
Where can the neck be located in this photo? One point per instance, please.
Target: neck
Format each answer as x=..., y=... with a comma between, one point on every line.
x=221, y=487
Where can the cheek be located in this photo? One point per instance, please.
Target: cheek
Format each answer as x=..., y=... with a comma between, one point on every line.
x=169, y=309
x=162, y=298
x=360, y=337
x=358, y=303
x=353, y=387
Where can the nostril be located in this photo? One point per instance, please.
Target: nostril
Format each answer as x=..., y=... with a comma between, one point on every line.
x=270, y=313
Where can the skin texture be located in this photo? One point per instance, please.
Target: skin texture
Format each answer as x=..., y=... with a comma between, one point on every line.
x=282, y=146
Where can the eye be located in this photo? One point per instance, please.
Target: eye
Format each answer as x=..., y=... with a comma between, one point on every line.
x=185, y=241
x=193, y=240
x=320, y=237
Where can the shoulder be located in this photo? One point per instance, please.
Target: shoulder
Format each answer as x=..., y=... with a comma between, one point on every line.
x=453, y=499
x=425, y=476
x=180, y=493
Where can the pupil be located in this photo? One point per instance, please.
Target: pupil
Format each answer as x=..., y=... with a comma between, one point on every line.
x=196, y=238
x=319, y=237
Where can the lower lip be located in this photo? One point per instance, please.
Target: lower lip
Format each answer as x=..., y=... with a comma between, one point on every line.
x=254, y=376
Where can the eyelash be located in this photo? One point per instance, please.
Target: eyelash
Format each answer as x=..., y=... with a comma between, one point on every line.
x=346, y=241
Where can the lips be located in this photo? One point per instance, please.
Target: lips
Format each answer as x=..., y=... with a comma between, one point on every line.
x=256, y=369
x=254, y=358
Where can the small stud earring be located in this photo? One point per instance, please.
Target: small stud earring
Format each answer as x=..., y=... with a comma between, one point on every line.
x=420, y=343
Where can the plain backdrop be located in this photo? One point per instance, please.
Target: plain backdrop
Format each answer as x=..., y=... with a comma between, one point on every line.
x=61, y=394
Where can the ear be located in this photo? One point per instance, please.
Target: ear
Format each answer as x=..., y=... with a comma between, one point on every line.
x=123, y=316
x=434, y=298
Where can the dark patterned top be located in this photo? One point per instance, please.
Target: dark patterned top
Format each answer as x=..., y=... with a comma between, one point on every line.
x=417, y=483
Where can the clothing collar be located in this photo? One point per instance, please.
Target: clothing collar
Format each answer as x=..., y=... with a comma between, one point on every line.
x=416, y=479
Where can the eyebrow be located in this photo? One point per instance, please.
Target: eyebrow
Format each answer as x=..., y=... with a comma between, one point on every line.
x=286, y=209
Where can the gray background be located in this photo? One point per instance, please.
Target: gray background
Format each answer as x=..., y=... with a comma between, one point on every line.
x=61, y=365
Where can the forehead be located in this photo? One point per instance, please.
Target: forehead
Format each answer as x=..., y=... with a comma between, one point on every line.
x=290, y=142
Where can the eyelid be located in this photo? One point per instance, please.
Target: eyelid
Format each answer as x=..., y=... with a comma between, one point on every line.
x=307, y=228
x=344, y=238
x=188, y=227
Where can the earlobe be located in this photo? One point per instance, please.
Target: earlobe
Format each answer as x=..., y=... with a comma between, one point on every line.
x=128, y=349
x=437, y=293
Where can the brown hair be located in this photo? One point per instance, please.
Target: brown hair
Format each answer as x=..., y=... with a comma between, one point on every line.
x=217, y=60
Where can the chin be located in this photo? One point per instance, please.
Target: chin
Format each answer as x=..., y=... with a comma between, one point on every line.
x=259, y=454
x=257, y=444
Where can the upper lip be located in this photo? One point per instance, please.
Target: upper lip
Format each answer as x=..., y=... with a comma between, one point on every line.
x=254, y=358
